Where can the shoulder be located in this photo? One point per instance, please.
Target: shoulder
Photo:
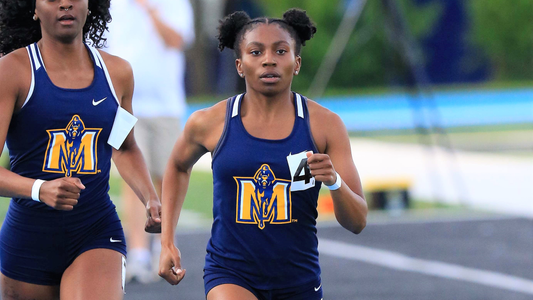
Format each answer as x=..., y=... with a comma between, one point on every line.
x=204, y=119
x=119, y=68
x=15, y=61
x=205, y=126
x=326, y=126
x=318, y=113
x=15, y=70
x=121, y=74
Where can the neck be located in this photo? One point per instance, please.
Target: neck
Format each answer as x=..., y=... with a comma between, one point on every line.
x=269, y=101
x=263, y=106
x=62, y=54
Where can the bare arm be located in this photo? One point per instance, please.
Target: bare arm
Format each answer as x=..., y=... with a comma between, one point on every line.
x=349, y=203
x=61, y=193
x=200, y=135
x=11, y=184
x=128, y=159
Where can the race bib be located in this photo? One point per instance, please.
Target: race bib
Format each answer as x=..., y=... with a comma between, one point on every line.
x=301, y=178
x=123, y=124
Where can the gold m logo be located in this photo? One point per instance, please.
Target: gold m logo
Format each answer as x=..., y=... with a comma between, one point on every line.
x=263, y=199
x=72, y=149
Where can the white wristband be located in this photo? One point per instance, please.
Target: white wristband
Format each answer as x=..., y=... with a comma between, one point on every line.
x=336, y=185
x=35, y=189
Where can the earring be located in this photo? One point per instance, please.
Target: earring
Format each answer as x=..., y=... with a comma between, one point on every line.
x=35, y=17
x=242, y=75
x=295, y=72
x=89, y=13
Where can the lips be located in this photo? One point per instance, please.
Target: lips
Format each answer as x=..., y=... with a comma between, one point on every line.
x=66, y=20
x=66, y=17
x=270, y=75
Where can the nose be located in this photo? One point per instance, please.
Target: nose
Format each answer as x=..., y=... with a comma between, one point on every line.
x=269, y=59
x=65, y=5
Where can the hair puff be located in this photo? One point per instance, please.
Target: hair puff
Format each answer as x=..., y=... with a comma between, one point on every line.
x=298, y=19
x=230, y=27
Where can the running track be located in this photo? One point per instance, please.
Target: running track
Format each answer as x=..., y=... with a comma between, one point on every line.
x=434, y=255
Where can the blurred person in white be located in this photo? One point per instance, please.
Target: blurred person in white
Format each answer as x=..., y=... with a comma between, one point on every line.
x=151, y=35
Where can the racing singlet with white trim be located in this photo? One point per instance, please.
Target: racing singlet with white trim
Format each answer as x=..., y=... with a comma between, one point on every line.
x=63, y=132
x=263, y=231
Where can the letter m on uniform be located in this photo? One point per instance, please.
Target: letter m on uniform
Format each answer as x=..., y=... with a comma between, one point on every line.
x=263, y=199
x=72, y=149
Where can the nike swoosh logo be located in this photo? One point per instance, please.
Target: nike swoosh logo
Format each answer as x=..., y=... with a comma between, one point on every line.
x=114, y=241
x=318, y=288
x=98, y=102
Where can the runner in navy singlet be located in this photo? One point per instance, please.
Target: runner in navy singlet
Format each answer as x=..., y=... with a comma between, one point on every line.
x=271, y=151
x=62, y=238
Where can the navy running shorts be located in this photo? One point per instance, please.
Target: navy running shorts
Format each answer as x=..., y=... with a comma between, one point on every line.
x=214, y=276
x=37, y=246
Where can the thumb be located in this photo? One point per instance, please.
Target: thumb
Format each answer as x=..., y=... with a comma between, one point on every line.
x=155, y=214
x=309, y=153
x=77, y=182
x=178, y=271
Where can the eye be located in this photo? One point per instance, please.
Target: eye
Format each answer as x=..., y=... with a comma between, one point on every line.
x=255, y=52
x=281, y=51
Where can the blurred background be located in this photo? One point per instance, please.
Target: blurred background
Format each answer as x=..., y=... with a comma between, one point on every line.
x=437, y=96
x=422, y=86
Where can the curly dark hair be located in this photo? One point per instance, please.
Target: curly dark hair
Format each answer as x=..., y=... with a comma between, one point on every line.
x=233, y=27
x=18, y=29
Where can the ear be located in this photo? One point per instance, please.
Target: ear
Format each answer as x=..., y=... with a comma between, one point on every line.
x=35, y=17
x=238, y=66
x=297, y=64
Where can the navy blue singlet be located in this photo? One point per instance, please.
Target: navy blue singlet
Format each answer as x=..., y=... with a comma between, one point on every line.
x=61, y=132
x=262, y=231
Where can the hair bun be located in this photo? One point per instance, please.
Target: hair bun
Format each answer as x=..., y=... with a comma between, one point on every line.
x=228, y=28
x=301, y=23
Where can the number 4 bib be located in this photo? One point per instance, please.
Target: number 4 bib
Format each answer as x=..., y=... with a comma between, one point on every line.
x=301, y=178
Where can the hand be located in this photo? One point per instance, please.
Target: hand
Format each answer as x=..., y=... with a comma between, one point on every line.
x=146, y=5
x=153, y=213
x=62, y=193
x=170, y=264
x=321, y=168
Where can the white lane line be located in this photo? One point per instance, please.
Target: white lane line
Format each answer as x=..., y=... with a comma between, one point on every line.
x=405, y=263
x=412, y=220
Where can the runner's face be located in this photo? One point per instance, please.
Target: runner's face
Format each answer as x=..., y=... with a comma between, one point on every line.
x=62, y=19
x=268, y=59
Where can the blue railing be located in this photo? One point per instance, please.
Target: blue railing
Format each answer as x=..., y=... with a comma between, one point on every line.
x=454, y=108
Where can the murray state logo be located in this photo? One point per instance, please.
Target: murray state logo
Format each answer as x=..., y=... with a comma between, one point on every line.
x=263, y=198
x=72, y=149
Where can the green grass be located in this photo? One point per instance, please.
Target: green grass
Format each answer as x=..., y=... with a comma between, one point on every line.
x=380, y=90
x=511, y=139
x=4, y=204
x=199, y=197
x=200, y=194
x=408, y=133
x=425, y=204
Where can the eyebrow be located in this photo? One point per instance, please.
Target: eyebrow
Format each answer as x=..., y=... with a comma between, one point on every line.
x=262, y=45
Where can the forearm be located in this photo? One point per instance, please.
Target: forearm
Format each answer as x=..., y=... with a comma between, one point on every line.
x=175, y=184
x=14, y=185
x=132, y=167
x=350, y=208
x=171, y=38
